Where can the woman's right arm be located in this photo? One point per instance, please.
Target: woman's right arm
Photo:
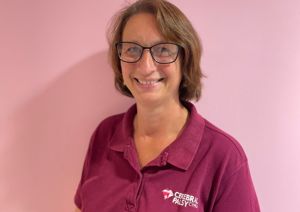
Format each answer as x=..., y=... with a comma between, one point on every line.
x=77, y=210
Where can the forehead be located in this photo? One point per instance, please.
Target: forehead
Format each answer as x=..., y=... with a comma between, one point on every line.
x=142, y=28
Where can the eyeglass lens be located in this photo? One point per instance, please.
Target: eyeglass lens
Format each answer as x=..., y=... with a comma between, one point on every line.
x=161, y=53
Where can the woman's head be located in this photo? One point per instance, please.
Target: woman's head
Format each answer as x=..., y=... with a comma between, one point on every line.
x=174, y=27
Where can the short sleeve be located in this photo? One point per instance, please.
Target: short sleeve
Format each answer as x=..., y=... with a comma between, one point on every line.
x=237, y=193
x=85, y=170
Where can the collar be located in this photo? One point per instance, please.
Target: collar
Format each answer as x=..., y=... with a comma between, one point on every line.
x=123, y=133
x=180, y=153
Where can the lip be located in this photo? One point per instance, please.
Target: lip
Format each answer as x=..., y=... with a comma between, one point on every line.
x=148, y=84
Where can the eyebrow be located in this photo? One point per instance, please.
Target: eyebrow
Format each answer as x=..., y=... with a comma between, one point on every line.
x=151, y=44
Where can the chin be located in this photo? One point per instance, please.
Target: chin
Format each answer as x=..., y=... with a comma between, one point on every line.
x=151, y=98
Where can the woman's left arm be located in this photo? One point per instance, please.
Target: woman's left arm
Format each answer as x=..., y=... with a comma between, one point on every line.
x=237, y=193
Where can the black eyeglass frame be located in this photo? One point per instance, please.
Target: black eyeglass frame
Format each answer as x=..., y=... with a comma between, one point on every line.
x=179, y=48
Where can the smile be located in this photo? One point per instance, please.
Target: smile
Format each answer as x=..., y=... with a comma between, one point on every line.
x=148, y=82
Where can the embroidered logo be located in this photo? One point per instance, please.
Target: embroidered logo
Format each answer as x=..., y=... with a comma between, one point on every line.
x=184, y=200
x=167, y=193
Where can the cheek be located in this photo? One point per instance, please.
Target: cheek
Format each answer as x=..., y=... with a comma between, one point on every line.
x=124, y=70
x=126, y=67
x=178, y=69
x=175, y=71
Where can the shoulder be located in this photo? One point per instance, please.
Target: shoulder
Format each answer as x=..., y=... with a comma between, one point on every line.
x=217, y=145
x=111, y=121
x=226, y=150
x=102, y=135
x=234, y=188
x=121, y=122
x=223, y=139
x=108, y=125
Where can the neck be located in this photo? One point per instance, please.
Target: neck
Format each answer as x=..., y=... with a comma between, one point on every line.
x=161, y=120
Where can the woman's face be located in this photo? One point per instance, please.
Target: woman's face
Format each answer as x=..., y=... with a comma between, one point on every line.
x=149, y=81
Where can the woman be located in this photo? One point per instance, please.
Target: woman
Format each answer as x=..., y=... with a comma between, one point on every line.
x=161, y=155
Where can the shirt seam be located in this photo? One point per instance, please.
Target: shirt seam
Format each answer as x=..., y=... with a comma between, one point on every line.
x=229, y=138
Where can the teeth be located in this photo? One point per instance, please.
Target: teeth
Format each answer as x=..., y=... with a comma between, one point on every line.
x=148, y=82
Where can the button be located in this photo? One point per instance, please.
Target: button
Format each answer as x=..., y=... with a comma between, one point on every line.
x=130, y=205
x=126, y=152
x=164, y=158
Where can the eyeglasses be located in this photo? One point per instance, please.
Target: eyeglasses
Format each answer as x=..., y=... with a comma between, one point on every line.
x=163, y=53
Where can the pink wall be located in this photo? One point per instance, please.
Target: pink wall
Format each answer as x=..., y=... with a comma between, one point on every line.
x=55, y=86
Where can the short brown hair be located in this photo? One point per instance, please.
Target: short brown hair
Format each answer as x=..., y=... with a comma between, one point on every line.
x=175, y=27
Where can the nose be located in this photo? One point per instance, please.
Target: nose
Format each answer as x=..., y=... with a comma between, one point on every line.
x=146, y=63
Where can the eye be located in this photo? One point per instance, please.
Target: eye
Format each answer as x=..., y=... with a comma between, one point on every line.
x=131, y=49
x=164, y=50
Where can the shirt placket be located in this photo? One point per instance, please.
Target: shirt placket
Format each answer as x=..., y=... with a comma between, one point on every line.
x=134, y=195
x=133, y=198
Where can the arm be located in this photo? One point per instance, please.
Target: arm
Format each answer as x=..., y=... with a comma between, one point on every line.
x=237, y=193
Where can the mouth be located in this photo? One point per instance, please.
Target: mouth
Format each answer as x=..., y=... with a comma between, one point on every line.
x=148, y=82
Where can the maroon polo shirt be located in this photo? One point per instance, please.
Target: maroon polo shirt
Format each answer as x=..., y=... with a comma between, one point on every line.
x=204, y=169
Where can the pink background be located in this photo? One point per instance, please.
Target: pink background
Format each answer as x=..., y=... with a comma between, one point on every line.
x=55, y=86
